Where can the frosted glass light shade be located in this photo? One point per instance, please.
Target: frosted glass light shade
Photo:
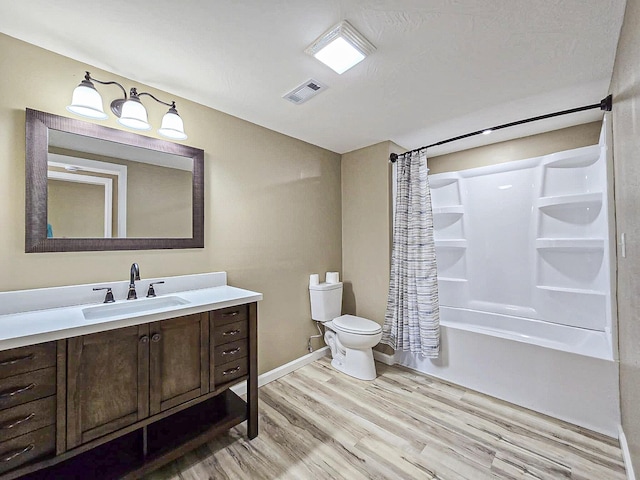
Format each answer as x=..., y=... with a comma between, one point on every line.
x=339, y=55
x=341, y=47
x=172, y=126
x=87, y=102
x=134, y=115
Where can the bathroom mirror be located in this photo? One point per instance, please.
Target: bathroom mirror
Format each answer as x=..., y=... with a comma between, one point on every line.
x=90, y=187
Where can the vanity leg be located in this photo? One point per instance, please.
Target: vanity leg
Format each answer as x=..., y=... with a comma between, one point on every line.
x=252, y=381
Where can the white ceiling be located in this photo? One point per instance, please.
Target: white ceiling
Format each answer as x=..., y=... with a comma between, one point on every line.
x=442, y=67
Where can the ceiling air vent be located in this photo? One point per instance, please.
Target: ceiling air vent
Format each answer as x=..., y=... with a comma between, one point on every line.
x=304, y=92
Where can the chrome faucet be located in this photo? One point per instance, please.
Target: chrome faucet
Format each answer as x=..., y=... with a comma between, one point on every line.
x=135, y=275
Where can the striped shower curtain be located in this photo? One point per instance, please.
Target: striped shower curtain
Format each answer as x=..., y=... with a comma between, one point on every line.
x=412, y=320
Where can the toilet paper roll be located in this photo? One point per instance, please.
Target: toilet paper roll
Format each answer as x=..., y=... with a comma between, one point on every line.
x=333, y=277
x=314, y=279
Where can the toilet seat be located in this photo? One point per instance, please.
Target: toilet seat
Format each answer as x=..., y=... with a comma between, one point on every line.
x=357, y=325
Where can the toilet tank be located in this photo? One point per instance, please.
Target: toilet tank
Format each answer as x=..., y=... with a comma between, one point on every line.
x=326, y=301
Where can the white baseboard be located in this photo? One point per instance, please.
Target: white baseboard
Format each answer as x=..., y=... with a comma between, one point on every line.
x=626, y=455
x=384, y=358
x=241, y=388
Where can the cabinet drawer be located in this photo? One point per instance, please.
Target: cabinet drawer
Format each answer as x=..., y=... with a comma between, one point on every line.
x=27, y=359
x=27, y=387
x=230, y=315
x=25, y=448
x=228, y=371
x=26, y=418
x=229, y=332
x=230, y=352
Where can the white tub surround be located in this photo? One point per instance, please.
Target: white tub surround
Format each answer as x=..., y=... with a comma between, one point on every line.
x=524, y=252
x=34, y=316
x=528, y=238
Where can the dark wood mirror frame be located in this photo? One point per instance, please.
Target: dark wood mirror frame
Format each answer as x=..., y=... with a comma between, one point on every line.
x=38, y=125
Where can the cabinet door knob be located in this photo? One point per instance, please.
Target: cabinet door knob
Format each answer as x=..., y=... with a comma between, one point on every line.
x=156, y=337
x=144, y=339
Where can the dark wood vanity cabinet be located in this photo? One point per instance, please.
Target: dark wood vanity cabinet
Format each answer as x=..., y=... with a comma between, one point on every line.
x=179, y=361
x=107, y=382
x=144, y=395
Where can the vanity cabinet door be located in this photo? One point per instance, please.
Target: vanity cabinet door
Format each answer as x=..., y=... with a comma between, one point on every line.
x=107, y=382
x=179, y=361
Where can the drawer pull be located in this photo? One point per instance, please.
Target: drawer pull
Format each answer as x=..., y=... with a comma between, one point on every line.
x=17, y=453
x=13, y=361
x=231, y=370
x=231, y=314
x=17, y=392
x=15, y=423
x=230, y=333
x=232, y=351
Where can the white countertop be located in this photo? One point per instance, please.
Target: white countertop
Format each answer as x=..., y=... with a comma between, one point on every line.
x=36, y=326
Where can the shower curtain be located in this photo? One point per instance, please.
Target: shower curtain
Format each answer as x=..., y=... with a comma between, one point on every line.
x=412, y=320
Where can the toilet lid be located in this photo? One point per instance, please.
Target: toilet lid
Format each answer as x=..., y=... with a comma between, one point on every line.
x=353, y=324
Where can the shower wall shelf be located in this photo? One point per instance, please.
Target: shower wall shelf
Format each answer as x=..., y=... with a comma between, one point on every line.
x=451, y=243
x=451, y=209
x=577, y=199
x=568, y=159
x=440, y=182
x=580, y=291
x=569, y=244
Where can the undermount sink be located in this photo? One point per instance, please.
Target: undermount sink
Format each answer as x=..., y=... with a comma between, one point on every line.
x=132, y=307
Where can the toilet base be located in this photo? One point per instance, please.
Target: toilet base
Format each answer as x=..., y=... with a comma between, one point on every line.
x=357, y=363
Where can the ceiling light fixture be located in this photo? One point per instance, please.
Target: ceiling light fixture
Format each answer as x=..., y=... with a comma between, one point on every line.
x=87, y=102
x=341, y=47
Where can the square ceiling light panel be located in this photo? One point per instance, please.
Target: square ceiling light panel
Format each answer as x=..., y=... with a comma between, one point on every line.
x=341, y=47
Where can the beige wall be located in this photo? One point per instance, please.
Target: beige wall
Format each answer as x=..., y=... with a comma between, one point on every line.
x=517, y=149
x=366, y=230
x=625, y=87
x=272, y=203
x=75, y=210
x=159, y=201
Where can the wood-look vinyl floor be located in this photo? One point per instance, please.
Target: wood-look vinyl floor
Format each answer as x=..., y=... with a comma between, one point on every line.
x=317, y=423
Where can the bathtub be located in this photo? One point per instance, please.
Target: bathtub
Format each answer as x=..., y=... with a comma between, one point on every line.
x=524, y=253
x=562, y=371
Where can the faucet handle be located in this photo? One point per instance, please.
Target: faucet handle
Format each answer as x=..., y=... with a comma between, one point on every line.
x=108, y=298
x=152, y=292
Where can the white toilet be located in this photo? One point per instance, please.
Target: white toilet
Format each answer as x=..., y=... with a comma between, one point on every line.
x=349, y=337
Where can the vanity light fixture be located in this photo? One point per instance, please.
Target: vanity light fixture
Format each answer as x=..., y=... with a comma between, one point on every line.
x=87, y=102
x=341, y=47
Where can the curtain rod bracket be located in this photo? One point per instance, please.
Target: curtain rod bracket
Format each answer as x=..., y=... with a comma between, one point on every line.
x=606, y=104
x=393, y=158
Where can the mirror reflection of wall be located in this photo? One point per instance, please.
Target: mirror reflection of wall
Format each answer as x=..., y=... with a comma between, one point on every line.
x=76, y=210
x=99, y=189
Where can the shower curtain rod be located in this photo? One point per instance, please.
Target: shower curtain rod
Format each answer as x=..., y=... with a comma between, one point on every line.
x=605, y=105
